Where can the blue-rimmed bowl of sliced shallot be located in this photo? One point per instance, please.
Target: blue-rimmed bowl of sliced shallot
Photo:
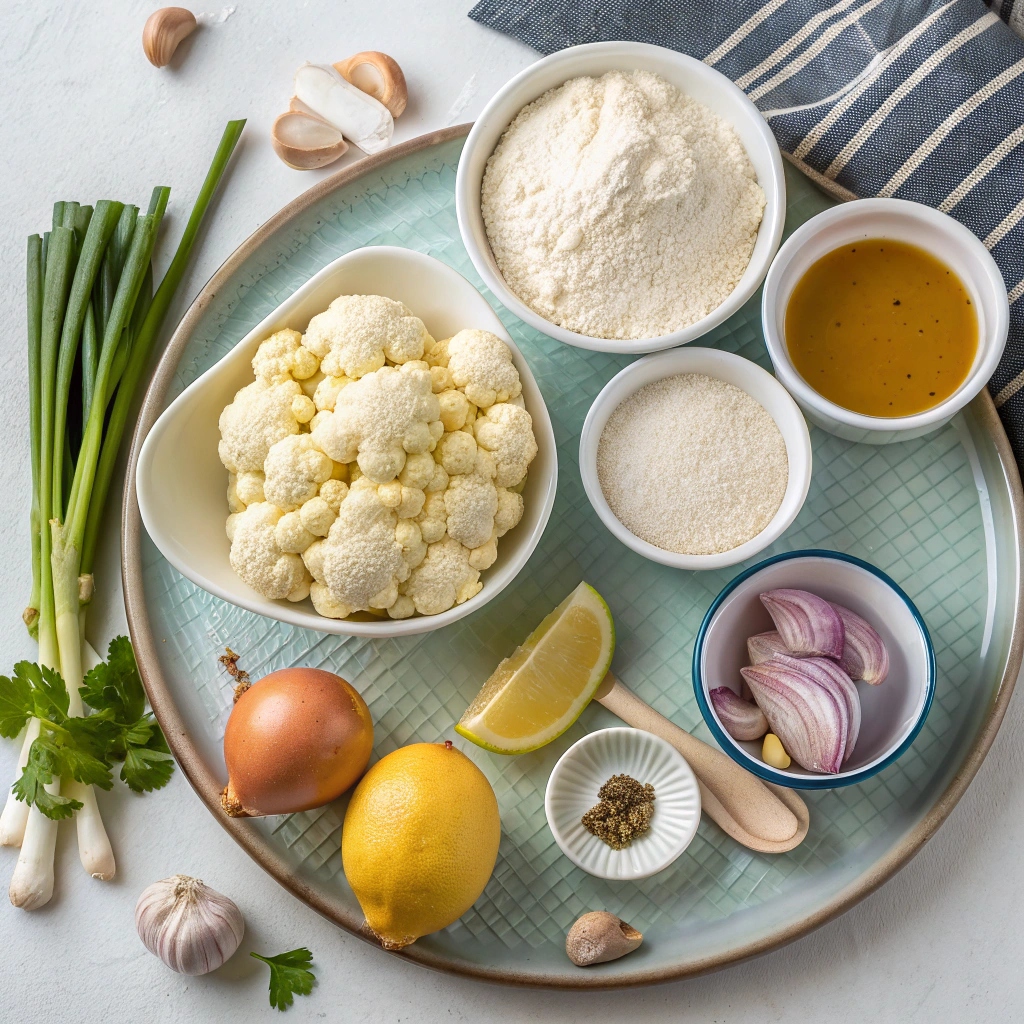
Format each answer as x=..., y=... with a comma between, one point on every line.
x=814, y=670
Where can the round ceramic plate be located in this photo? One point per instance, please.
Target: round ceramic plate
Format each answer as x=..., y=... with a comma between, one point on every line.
x=941, y=515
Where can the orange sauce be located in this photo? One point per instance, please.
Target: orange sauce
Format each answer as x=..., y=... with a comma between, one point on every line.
x=882, y=328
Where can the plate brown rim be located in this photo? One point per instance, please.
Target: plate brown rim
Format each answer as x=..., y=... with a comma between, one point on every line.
x=208, y=787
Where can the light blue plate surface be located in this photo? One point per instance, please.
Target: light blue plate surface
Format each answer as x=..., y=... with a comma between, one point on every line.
x=936, y=514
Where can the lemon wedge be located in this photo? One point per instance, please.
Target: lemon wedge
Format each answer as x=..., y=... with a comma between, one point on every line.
x=533, y=696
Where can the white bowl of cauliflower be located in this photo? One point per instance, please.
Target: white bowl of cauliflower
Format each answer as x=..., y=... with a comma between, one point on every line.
x=374, y=459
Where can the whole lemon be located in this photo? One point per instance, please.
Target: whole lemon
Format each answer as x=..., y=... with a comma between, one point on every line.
x=420, y=841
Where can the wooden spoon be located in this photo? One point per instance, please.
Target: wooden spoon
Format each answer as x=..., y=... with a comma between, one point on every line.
x=763, y=817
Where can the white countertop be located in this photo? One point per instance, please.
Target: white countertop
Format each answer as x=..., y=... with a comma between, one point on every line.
x=86, y=117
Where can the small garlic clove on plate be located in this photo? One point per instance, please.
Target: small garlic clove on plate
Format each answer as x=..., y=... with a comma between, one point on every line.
x=864, y=654
x=305, y=142
x=191, y=927
x=379, y=76
x=163, y=31
x=808, y=624
x=364, y=121
x=598, y=937
x=742, y=719
x=764, y=646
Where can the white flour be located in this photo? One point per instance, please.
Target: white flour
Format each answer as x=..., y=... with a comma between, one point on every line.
x=618, y=207
x=693, y=465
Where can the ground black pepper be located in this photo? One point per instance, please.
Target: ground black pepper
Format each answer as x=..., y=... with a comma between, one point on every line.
x=624, y=813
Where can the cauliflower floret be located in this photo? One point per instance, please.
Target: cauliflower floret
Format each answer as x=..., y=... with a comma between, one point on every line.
x=402, y=608
x=357, y=332
x=235, y=504
x=456, y=452
x=317, y=516
x=510, y=511
x=471, y=502
x=379, y=418
x=414, y=548
x=486, y=555
x=310, y=384
x=433, y=518
x=313, y=559
x=439, y=481
x=249, y=487
x=507, y=432
x=418, y=470
x=303, y=408
x=282, y=357
x=455, y=407
x=259, y=560
x=291, y=535
x=436, y=353
x=327, y=604
x=442, y=579
x=260, y=416
x=406, y=501
x=362, y=560
x=326, y=395
x=295, y=469
x=333, y=492
x=441, y=379
x=481, y=366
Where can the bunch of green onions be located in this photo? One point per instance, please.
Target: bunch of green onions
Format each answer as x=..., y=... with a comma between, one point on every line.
x=93, y=319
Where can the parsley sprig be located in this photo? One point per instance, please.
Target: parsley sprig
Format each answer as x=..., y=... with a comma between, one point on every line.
x=290, y=974
x=84, y=748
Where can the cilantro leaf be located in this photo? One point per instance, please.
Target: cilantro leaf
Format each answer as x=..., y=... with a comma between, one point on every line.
x=115, y=684
x=16, y=703
x=50, y=695
x=289, y=973
x=146, y=769
x=39, y=772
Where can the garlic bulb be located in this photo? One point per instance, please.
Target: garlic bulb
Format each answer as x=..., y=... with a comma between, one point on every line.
x=191, y=927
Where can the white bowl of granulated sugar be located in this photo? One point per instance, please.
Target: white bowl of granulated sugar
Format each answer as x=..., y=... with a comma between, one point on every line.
x=621, y=197
x=695, y=458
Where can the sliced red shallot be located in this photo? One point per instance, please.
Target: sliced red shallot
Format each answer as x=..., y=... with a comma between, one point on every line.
x=828, y=673
x=742, y=719
x=864, y=654
x=808, y=624
x=810, y=719
x=765, y=646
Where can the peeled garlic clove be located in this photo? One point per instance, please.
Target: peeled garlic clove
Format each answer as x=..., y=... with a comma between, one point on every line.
x=811, y=720
x=190, y=926
x=305, y=142
x=164, y=30
x=829, y=674
x=363, y=120
x=864, y=655
x=808, y=624
x=598, y=937
x=764, y=646
x=742, y=719
x=379, y=76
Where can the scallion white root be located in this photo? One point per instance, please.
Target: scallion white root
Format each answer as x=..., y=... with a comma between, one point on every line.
x=15, y=813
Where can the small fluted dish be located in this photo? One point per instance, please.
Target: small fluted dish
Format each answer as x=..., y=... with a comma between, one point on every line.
x=586, y=766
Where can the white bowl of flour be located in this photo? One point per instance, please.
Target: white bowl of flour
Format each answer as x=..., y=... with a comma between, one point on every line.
x=695, y=458
x=621, y=197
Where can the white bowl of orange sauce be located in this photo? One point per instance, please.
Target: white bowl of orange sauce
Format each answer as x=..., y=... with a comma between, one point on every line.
x=883, y=318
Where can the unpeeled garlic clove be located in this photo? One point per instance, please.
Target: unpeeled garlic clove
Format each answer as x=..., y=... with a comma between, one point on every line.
x=864, y=654
x=379, y=76
x=164, y=30
x=598, y=937
x=191, y=927
x=364, y=121
x=305, y=141
x=742, y=719
x=808, y=624
x=764, y=646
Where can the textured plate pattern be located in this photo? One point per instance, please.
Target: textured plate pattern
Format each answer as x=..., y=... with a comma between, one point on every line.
x=586, y=766
x=914, y=509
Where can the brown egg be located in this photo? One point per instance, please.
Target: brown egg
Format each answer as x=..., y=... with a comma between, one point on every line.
x=296, y=739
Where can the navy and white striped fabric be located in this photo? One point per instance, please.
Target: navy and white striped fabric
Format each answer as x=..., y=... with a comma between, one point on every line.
x=918, y=99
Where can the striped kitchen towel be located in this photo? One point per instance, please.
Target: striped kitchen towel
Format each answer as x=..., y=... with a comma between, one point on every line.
x=918, y=99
